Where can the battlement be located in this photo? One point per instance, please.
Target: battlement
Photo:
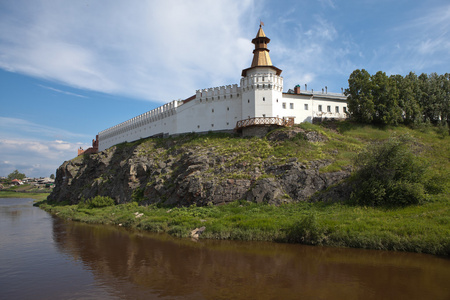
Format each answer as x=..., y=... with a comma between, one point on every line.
x=218, y=93
x=262, y=81
x=158, y=113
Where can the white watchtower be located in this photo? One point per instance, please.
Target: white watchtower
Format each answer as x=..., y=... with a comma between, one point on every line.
x=261, y=84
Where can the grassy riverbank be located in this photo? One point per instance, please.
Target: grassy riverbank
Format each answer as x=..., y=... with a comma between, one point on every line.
x=32, y=195
x=424, y=227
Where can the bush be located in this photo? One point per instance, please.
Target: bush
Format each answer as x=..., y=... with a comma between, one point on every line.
x=306, y=231
x=389, y=174
x=96, y=202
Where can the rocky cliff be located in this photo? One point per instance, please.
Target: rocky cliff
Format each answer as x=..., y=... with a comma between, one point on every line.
x=195, y=169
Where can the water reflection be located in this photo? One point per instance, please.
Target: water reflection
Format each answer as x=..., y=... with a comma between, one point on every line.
x=142, y=265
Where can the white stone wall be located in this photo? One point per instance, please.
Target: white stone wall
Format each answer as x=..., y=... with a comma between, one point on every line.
x=161, y=120
x=212, y=109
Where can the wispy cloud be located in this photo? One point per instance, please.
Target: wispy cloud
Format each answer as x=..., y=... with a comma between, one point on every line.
x=14, y=127
x=61, y=91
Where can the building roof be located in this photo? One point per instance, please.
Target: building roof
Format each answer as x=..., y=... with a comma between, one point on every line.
x=261, y=57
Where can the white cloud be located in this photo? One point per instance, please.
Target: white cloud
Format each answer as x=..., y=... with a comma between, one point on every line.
x=156, y=50
x=35, y=158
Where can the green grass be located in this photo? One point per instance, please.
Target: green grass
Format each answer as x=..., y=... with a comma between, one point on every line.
x=13, y=194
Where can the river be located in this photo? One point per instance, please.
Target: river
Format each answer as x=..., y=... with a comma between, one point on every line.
x=44, y=257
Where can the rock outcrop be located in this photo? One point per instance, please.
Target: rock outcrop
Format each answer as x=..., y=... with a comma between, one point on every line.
x=172, y=172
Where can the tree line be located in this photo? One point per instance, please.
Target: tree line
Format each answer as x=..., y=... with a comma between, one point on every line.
x=392, y=100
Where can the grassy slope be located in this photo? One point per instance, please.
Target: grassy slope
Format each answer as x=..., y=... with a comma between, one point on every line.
x=424, y=228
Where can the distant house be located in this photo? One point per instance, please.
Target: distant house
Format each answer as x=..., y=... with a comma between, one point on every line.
x=16, y=182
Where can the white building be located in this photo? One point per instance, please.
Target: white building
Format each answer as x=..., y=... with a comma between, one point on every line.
x=259, y=99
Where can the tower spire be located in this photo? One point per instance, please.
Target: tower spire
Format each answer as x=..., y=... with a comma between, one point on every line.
x=261, y=57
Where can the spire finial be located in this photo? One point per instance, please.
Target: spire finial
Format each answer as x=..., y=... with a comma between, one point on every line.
x=261, y=23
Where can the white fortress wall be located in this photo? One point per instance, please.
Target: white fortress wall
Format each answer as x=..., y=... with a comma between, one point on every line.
x=213, y=109
x=161, y=120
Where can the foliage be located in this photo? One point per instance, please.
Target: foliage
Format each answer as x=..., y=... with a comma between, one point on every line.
x=138, y=195
x=96, y=202
x=16, y=175
x=384, y=100
x=388, y=173
x=306, y=231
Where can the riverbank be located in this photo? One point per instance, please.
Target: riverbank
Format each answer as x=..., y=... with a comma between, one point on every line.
x=422, y=229
x=13, y=194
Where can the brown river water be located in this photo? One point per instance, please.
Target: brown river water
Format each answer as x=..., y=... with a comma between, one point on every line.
x=44, y=257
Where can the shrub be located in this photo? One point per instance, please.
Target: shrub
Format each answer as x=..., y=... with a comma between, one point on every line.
x=388, y=173
x=306, y=231
x=96, y=202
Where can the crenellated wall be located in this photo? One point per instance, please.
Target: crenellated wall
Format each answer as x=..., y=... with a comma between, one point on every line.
x=262, y=81
x=144, y=125
x=217, y=93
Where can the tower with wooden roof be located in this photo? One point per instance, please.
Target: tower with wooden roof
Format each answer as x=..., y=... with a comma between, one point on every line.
x=261, y=84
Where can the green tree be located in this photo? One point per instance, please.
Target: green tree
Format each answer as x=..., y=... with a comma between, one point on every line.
x=385, y=97
x=52, y=176
x=388, y=174
x=361, y=107
x=16, y=175
x=408, y=103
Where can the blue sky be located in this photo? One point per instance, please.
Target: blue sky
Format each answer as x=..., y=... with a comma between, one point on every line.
x=69, y=69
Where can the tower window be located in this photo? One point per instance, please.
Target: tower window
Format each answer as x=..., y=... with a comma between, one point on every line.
x=284, y=105
x=329, y=108
x=320, y=107
x=228, y=108
x=213, y=110
x=291, y=105
x=345, y=109
x=306, y=106
x=248, y=100
x=337, y=109
x=264, y=98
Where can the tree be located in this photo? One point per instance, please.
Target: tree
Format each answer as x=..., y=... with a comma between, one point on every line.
x=16, y=175
x=52, y=176
x=360, y=99
x=385, y=98
x=408, y=103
